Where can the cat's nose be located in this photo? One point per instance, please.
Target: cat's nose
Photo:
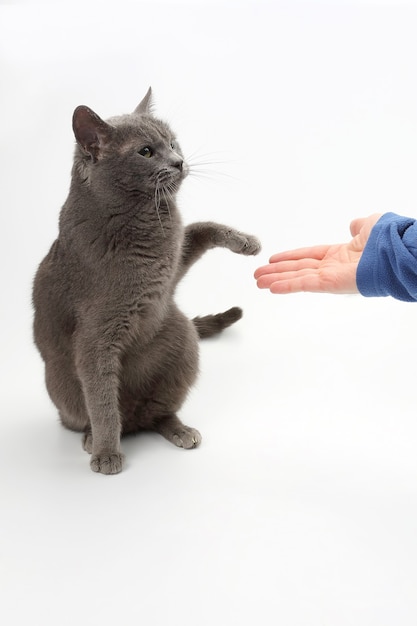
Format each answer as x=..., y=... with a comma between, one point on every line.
x=178, y=163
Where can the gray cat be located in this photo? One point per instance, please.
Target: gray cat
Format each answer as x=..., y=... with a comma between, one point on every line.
x=119, y=355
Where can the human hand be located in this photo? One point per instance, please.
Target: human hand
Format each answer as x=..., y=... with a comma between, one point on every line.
x=326, y=269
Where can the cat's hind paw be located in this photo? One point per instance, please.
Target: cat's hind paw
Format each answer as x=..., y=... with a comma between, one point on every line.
x=171, y=427
x=186, y=437
x=107, y=463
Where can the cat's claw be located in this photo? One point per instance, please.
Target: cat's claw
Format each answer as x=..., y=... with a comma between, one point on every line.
x=107, y=463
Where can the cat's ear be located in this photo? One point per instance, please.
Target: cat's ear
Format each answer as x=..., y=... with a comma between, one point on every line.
x=145, y=106
x=90, y=131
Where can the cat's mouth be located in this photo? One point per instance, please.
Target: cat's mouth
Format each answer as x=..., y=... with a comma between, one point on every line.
x=172, y=177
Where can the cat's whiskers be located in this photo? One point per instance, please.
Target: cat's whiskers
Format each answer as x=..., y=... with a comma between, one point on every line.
x=198, y=167
x=195, y=171
x=157, y=205
x=169, y=191
x=167, y=197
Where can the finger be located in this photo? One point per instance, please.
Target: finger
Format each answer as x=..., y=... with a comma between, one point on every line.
x=287, y=266
x=314, y=252
x=265, y=281
x=310, y=283
x=312, y=280
x=295, y=280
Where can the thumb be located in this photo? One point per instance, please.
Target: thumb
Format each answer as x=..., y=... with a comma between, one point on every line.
x=356, y=225
x=367, y=222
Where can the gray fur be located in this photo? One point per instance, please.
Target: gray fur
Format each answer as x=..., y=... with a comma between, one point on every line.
x=119, y=355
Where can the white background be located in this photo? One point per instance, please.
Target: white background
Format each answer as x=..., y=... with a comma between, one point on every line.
x=300, y=506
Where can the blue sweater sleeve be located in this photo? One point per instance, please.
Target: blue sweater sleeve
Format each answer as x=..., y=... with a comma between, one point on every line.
x=388, y=265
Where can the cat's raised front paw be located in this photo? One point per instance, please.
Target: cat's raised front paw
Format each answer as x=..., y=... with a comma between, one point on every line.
x=107, y=463
x=243, y=244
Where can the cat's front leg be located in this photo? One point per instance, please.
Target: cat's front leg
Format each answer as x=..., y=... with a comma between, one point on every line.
x=202, y=236
x=98, y=372
x=103, y=463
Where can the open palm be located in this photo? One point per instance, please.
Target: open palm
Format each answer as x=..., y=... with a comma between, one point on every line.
x=330, y=269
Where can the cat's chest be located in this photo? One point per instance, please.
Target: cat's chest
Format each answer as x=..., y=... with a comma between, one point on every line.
x=130, y=286
x=137, y=280
x=129, y=302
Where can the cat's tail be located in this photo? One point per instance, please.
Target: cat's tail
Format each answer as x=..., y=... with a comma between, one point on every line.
x=210, y=325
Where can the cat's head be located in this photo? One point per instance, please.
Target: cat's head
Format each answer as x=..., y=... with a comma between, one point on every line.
x=134, y=154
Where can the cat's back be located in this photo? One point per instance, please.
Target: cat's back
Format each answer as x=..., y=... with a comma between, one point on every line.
x=54, y=278
x=53, y=301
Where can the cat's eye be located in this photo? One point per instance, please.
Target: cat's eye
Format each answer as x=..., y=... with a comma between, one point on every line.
x=173, y=145
x=146, y=152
